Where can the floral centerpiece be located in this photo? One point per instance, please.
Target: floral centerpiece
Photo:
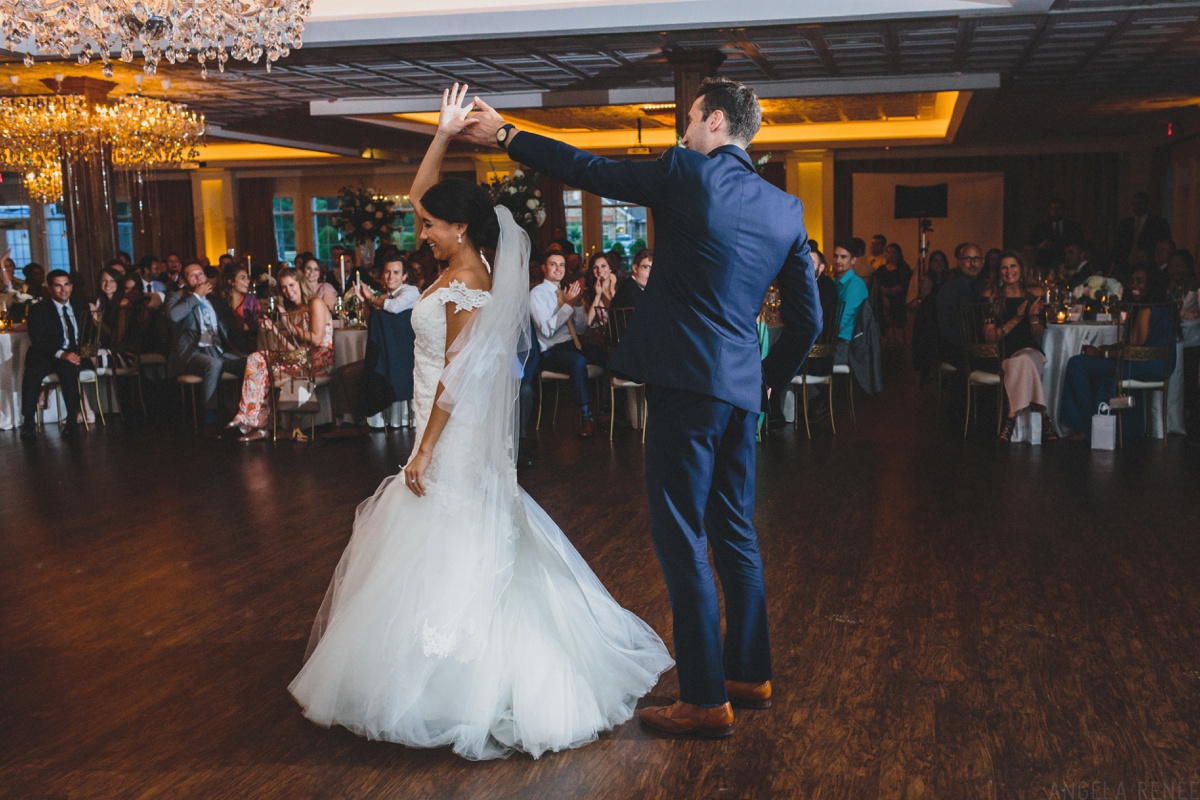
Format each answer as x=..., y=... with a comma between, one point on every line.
x=364, y=218
x=17, y=305
x=1099, y=287
x=518, y=194
x=1097, y=293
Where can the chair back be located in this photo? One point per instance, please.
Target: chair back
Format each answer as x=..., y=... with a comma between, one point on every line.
x=978, y=353
x=826, y=344
x=618, y=321
x=1127, y=316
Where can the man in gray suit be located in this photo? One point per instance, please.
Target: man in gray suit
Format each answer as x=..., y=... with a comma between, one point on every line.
x=201, y=344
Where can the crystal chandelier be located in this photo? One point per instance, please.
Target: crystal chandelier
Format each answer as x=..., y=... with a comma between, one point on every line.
x=44, y=185
x=38, y=134
x=214, y=30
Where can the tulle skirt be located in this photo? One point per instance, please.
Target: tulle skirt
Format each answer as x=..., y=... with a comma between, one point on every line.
x=469, y=620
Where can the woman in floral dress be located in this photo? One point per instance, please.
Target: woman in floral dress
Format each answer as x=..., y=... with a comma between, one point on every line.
x=305, y=325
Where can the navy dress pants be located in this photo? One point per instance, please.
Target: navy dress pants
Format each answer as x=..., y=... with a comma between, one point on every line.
x=700, y=483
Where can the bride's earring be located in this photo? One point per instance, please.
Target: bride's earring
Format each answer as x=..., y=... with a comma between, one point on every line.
x=460, y=238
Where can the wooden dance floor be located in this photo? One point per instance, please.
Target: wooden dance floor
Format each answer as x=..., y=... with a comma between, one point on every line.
x=950, y=619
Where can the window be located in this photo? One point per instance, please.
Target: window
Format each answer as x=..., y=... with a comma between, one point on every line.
x=573, y=207
x=324, y=234
x=125, y=228
x=15, y=221
x=282, y=209
x=58, y=252
x=622, y=224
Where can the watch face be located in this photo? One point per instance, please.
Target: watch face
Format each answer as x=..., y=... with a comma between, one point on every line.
x=502, y=134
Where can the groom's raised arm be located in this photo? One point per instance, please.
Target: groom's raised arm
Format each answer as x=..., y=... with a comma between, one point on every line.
x=640, y=182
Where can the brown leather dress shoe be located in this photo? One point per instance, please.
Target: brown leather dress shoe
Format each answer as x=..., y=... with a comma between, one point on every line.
x=749, y=695
x=686, y=719
x=588, y=429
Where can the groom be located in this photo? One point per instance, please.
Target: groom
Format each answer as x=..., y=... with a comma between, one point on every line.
x=722, y=235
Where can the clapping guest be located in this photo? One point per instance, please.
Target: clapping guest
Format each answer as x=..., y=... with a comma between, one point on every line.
x=8, y=275
x=1017, y=321
x=243, y=307
x=306, y=324
x=560, y=321
x=314, y=280
x=600, y=284
x=1092, y=376
x=57, y=326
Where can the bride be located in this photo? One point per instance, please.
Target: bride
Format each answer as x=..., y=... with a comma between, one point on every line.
x=459, y=613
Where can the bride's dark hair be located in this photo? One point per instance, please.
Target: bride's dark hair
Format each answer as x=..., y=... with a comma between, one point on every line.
x=457, y=200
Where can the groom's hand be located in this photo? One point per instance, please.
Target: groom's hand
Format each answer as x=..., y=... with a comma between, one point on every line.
x=487, y=122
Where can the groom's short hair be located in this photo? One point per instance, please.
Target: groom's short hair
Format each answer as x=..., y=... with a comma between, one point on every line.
x=737, y=101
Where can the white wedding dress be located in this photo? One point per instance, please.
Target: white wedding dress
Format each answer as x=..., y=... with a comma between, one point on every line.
x=465, y=617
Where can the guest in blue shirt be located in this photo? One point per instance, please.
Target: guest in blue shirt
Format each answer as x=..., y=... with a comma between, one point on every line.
x=852, y=293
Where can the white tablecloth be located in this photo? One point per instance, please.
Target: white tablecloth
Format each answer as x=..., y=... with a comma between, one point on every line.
x=12, y=359
x=1066, y=340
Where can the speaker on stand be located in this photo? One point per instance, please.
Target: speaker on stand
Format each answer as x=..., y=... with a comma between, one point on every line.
x=924, y=204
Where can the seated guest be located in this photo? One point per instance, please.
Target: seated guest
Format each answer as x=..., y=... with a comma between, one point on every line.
x=561, y=322
x=960, y=289
x=1092, y=376
x=243, y=305
x=827, y=290
x=1181, y=278
x=600, y=285
x=202, y=345
x=991, y=266
x=35, y=280
x=1161, y=254
x=117, y=266
x=630, y=290
x=139, y=316
x=892, y=280
x=9, y=282
x=57, y=326
x=147, y=270
x=306, y=325
x=937, y=272
x=353, y=382
x=112, y=311
x=314, y=281
x=172, y=277
x=1077, y=266
x=852, y=293
x=1017, y=320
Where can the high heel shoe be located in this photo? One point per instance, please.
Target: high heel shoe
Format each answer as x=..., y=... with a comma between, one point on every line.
x=1006, y=431
x=299, y=435
x=1049, y=432
x=255, y=435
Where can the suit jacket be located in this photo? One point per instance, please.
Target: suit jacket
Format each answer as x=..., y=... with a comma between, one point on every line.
x=183, y=311
x=1072, y=231
x=722, y=235
x=1154, y=230
x=45, y=328
x=387, y=374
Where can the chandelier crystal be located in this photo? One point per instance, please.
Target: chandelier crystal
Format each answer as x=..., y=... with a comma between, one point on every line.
x=39, y=133
x=215, y=30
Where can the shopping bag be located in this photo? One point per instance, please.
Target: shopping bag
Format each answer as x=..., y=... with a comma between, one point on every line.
x=1104, y=429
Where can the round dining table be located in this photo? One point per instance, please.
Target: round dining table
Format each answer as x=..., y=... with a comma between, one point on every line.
x=350, y=345
x=1066, y=339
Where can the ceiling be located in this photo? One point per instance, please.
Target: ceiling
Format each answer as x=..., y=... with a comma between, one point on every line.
x=1080, y=70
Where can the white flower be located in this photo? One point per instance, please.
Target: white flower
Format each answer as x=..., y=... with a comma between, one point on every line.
x=531, y=204
x=512, y=190
x=21, y=297
x=1078, y=291
x=1114, y=287
x=518, y=174
x=1096, y=282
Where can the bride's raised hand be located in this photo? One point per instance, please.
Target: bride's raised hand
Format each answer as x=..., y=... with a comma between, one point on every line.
x=454, y=118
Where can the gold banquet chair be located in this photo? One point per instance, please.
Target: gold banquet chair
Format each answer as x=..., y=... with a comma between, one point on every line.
x=982, y=359
x=618, y=321
x=1128, y=354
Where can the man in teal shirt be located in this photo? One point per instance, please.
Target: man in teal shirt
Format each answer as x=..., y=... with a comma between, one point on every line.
x=852, y=293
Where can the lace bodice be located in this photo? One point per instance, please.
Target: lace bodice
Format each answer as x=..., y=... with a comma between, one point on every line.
x=429, y=327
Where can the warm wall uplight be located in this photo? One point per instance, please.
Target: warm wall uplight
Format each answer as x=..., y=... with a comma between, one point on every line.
x=616, y=127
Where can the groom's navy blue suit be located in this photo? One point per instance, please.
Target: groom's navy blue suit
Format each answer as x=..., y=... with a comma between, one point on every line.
x=721, y=235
